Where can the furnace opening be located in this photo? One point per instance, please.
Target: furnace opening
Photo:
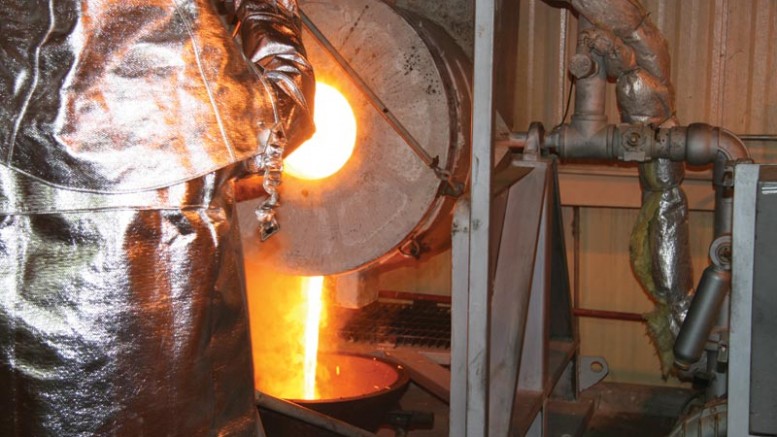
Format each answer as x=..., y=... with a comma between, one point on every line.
x=332, y=145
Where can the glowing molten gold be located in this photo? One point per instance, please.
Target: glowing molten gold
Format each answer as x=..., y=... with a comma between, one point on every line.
x=332, y=145
x=288, y=313
x=314, y=286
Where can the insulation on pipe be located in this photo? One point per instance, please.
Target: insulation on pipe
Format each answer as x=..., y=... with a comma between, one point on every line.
x=636, y=54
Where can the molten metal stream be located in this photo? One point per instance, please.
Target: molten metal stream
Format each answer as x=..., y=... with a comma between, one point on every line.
x=289, y=340
x=313, y=291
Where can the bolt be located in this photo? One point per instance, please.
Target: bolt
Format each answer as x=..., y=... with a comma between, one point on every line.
x=633, y=139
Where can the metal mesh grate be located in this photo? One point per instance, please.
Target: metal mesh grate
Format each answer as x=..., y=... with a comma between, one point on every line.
x=418, y=324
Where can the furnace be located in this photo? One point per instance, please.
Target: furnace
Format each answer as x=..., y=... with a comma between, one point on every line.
x=407, y=84
x=399, y=152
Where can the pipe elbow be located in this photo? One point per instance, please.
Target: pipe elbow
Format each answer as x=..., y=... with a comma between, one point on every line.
x=706, y=144
x=731, y=146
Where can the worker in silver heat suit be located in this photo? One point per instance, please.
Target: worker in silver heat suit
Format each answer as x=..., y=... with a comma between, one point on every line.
x=123, y=125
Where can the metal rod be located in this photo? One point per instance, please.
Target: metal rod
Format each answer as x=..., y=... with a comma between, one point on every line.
x=405, y=295
x=576, y=265
x=516, y=141
x=306, y=415
x=758, y=137
x=612, y=315
x=372, y=97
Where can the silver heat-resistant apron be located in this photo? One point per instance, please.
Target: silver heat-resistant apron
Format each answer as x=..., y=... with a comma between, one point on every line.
x=122, y=314
x=123, y=125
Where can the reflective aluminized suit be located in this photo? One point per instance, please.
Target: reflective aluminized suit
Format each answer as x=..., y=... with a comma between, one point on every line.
x=122, y=128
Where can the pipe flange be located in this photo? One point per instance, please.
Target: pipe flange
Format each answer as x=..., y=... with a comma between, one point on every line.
x=582, y=66
x=720, y=252
x=535, y=141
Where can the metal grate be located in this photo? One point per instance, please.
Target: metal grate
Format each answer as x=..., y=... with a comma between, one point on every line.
x=422, y=324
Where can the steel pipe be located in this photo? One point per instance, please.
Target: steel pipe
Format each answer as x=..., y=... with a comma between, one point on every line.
x=624, y=43
x=731, y=145
x=611, y=315
x=713, y=287
x=636, y=53
x=590, y=87
x=696, y=144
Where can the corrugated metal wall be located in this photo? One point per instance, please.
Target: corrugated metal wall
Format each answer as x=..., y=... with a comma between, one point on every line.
x=724, y=68
x=724, y=59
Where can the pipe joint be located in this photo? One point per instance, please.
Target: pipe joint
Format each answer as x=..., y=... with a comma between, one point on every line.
x=589, y=137
x=731, y=146
x=705, y=142
x=700, y=144
x=720, y=252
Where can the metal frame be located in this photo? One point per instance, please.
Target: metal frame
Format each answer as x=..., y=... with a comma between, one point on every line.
x=531, y=341
x=459, y=318
x=478, y=267
x=503, y=365
x=520, y=272
x=746, y=183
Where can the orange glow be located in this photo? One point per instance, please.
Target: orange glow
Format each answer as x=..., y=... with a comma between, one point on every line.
x=314, y=286
x=332, y=145
x=289, y=328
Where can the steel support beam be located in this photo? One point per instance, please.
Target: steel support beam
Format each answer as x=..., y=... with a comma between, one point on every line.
x=740, y=336
x=479, y=229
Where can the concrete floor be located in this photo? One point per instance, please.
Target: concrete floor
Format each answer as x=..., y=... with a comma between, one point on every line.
x=620, y=410
x=418, y=399
x=635, y=410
